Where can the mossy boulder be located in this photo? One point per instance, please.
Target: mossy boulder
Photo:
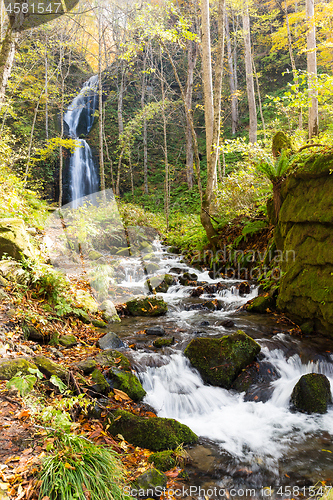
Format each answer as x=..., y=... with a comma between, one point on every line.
x=100, y=383
x=113, y=358
x=94, y=255
x=67, y=340
x=49, y=367
x=155, y=433
x=163, y=342
x=99, y=323
x=87, y=365
x=261, y=304
x=151, y=480
x=163, y=460
x=147, y=306
x=14, y=239
x=219, y=361
x=312, y=393
x=86, y=301
x=109, y=312
x=126, y=382
x=162, y=283
x=10, y=367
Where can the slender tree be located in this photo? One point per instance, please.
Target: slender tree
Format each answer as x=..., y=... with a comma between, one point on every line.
x=249, y=75
x=312, y=69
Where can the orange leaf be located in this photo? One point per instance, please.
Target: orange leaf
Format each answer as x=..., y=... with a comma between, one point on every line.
x=121, y=395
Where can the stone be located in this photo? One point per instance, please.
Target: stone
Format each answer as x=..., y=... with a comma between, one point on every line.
x=165, y=342
x=99, y=323
x=12, y=271
x=86, y=301
x=163, y=460
x=127, y=382
x=109, y=311
x=147, y=306
x=67, y=340
x=244, y=288
x=87, y=365
x=30, y=332
x=110, y=341
x=155, y=330
x=219, y=361
x=101, y=386
x=155, y=433
x=161, y=283
x=227, y=323
x=307, y=328
x=93, y=255
x=151, y=480
x=49, y=367
x=113, y=358
x=9, y=367
x=312, y=393
x=196, y=292
x=14, y=239
x=261, y=304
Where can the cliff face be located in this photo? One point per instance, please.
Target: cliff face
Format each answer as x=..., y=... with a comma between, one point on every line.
x=305, y=235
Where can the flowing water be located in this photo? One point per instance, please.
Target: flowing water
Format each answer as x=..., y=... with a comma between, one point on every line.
x=253, y=440
x=79, y=117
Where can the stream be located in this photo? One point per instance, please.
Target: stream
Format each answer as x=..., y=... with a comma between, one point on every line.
x=246, y=442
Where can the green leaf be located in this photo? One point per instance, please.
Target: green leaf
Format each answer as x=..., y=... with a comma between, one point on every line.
x=58, y=383
x=23, y=384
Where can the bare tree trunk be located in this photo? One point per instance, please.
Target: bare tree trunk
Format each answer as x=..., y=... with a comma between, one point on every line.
x=107, y=150
x=249, y=76
x=192, y=59
x=213, y=104
x=120, y=121
x=259, y=99
x=100, y=104
x=46, y=94
x=61, y=158
x=292, y=61
x=166, y=183
x=144, y=130
x=235, y=61
x=7, y=55
x=312, y=69
x=234, y=111
x=131, y=170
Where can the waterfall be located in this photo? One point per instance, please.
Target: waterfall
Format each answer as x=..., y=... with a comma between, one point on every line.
x=83, y=173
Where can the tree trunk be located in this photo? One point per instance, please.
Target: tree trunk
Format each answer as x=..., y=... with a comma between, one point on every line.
x=7, y=55
x=120, y=120
x=312, y=69
x=144, y=130
x=100, y=105
x=166, y=184
x=233, y=93
x=259, y=99
x=46, y=95
x=249, y=77
x=213, y=108
x=192, y=59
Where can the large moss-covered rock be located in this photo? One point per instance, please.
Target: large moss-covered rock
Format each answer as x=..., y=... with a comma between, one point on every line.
x=100, y=383
x=67, y=340
x=109, y=312
x=49, y=367
x=312, y=393
x=10, y=367
x=147, y=306
x=162, y=282
x=219, y=361
x=155, y=434
x=14, y=239
x=261, y=304
x=113, y=358
x=304, y=238
x=86, y=301
x=126, y=382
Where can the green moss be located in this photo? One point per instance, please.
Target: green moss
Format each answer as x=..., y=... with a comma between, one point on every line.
x=100, y=383
x=163, y=342
x=219, y=361
x=87, y=365
x=9, y=367
x=312, y=393
x=67, y=340
x=147, y=306
x=50, y=368
x=128, y=383
x=155, y=434
x=261, y=304
x=163, y=460
x=161, y=283
x=280, y=141
x=99, y=323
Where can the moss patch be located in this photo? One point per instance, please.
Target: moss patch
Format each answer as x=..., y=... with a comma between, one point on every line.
x=155, y=434
x=261, y=304
x=147, y=306
x=163, y=460
x=127, y=382
x=163, y=342
x=9, y=367
x=50, y=368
